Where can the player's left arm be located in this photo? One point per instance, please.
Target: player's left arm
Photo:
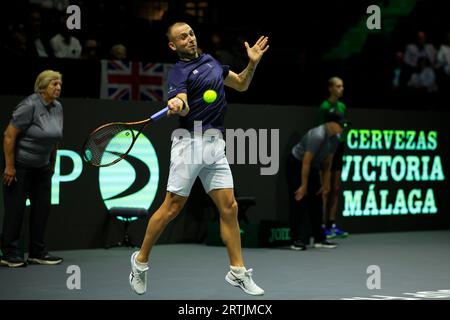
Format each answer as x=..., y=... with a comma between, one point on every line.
x=241, y=81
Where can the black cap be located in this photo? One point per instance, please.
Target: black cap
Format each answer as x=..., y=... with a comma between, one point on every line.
x=335, y=116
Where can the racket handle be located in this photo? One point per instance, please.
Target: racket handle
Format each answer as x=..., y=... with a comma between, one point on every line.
x=158, y=115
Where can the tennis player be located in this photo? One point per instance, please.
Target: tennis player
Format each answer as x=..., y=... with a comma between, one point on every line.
x=190, y=77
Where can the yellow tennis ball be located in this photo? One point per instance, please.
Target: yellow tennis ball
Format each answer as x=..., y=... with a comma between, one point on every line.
x=210, y=96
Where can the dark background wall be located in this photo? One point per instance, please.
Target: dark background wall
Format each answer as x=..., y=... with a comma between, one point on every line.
x=79, y=220
x=302, y=34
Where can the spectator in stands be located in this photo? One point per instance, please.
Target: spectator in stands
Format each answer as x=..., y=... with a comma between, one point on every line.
x=38, y=45
x=424, y=79
x=65, y=45
x=400, y=76
x=422, y=86
x=30, y=144
x=56, y=5
x=118, y=52
x=420, y=49
x=443, y=62
x=16, y=45
x=90, y=49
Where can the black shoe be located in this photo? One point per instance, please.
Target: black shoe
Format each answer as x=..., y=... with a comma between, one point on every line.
x=46, y=259
x=325, y=244
x=13, y=262
x=298, y=245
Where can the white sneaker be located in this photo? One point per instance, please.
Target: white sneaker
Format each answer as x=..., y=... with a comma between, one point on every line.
x=325, y=244
x=245, y=282
x=138, y=277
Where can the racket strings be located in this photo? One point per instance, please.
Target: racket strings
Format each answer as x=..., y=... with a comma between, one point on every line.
x=108, y=144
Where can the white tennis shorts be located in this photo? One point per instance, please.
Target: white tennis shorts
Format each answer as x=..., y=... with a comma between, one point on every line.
x=198, y=155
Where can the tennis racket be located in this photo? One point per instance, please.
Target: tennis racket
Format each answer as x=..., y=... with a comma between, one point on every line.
x=119, y=136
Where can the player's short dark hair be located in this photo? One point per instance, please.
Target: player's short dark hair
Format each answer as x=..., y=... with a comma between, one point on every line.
x=169, y=29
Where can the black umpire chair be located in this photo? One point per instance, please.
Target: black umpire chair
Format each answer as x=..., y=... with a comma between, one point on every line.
x=126, y=216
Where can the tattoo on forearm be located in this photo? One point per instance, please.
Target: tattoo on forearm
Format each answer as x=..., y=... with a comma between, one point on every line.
x=247, y=75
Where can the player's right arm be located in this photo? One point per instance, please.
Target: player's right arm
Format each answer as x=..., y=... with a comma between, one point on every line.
x=178, y=105
x=9, y=144
x=177, y=92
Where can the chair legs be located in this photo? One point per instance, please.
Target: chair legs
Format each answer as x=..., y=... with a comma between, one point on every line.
x=125, y=242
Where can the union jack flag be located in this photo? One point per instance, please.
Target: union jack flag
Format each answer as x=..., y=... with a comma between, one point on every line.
x=131, y=80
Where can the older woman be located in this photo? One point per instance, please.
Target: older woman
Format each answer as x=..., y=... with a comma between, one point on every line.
x=30, y=144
